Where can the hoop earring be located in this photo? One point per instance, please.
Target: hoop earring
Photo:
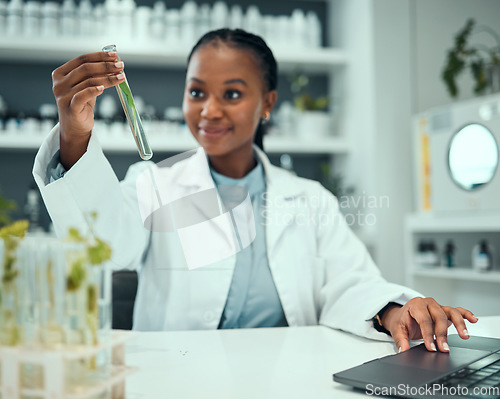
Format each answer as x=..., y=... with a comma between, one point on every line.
x=267, y=117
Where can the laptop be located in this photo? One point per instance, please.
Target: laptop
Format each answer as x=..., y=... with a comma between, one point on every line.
x=470, y=370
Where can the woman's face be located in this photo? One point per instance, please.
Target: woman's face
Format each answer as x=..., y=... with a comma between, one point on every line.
x=225, y=98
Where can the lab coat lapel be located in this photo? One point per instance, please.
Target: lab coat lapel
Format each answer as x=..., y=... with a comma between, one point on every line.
x=197, y=188
x=282, y=190
x=202, y=203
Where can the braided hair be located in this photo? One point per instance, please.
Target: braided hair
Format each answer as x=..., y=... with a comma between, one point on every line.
x=241, y=39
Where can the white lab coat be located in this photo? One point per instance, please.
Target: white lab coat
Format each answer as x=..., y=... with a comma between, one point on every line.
x=322, y=272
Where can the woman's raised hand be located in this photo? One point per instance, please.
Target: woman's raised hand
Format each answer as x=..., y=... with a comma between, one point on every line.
x=76, y=86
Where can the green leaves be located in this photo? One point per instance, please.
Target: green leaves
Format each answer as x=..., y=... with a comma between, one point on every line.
x=98, y=251
x=457, y=58
x=455, y=65
x=479, y=74
x=6, y=206
x=303, y=101
x=128, y=94
x=463, y=56
x=74, y=235
x=16, y=229
x=463, y=35
x=306, y=103
x=11, y=236
x=77, y=275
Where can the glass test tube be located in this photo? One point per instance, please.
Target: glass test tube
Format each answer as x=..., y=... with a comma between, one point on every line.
x=133, y=118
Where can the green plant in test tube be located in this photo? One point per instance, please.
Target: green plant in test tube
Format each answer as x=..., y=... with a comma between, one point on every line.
x=11, y=236
x=96, y=253
x=133, y=118
x=53, y=287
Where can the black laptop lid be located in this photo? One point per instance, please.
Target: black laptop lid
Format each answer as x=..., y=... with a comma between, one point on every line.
x=418, y=366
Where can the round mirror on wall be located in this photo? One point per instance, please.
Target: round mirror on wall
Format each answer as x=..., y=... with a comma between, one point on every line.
x=473, y=157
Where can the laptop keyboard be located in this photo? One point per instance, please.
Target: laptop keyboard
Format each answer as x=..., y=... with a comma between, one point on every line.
x=481, y=378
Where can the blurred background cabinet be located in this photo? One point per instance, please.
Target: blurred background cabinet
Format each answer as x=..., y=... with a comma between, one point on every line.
x=155, y=69
x=460, y=283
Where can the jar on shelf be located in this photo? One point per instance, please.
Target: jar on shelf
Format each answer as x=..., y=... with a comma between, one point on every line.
x=482, y=256
x=427, y=254
x=449, y=254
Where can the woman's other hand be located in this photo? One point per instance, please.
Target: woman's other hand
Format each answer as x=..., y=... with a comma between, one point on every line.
x=76, y=86
x=424, y=318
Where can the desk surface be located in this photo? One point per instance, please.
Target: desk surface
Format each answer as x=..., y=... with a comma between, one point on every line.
x=254, y=363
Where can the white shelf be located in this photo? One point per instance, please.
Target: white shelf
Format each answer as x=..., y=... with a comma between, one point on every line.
x=177, y=143
x=152, y=54
x=457, y=273
x=326, y=145
x=478, y=290
x=474, y=222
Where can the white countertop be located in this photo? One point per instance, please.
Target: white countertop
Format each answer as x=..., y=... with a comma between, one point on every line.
x=293, y=362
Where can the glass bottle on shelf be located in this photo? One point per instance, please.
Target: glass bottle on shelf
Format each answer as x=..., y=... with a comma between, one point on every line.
x=68, y=18
x=3, y=18
x=49, y=19
x=482, y=258
x=449, y=254
x=427, y=255
x=14, y=18
x=31, y=18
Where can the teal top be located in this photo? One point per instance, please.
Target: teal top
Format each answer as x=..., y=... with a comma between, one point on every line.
x=253, y=300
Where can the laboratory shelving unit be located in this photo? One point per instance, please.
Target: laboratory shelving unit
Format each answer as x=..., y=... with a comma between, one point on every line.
x=321, y=60
x=175, y=142
x=460, y=284
x=154, y=55
x=347, y=63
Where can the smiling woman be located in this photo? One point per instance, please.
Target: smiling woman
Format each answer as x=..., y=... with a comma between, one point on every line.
x=259, y=247
x=230, y=90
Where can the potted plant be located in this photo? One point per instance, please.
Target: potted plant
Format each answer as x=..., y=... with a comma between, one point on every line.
x=482, y=61
x=312, y=118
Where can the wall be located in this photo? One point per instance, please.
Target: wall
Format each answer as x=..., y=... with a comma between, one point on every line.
x=392, y=103
x=435, y=25
x=409, y=45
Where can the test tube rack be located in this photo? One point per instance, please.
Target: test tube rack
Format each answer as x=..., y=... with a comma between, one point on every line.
x=52, y=363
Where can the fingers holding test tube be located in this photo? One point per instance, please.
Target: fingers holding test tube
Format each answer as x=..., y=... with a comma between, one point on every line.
x=76, y=85
x=133, y=117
